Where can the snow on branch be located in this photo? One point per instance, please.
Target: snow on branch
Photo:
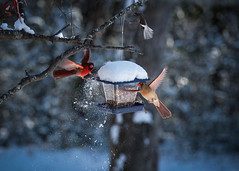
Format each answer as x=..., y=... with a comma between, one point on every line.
x=21, y=35
x=18, y=35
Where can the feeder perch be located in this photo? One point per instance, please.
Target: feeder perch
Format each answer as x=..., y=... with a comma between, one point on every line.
x=120, y=81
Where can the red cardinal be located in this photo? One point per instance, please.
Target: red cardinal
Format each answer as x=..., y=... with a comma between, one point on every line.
x=67, y=67
x=13, y=4
x=148, y=92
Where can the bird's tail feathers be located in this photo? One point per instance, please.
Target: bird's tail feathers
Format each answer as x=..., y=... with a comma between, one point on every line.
x=62, y=73
x=163, y=111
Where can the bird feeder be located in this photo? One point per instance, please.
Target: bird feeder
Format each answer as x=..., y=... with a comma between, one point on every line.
x=120, y=81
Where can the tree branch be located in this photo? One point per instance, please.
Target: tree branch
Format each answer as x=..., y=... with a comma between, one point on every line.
x=29, y=79
x=17, y=35
x=21, y=35
x=126, y=48
x=114, y=18
x=61, y=29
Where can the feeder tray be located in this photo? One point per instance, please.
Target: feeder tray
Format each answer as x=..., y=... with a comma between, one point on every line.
x=119, y=98
x=136, y=107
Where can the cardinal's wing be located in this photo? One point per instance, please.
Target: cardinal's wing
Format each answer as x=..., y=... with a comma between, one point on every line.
x=158, y=80
x=86, y=57
x=69, y=65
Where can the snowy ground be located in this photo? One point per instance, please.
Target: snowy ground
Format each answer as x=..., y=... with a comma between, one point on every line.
x=84, y=159
x=199, y=162
x=174, y=159
x=29, y=159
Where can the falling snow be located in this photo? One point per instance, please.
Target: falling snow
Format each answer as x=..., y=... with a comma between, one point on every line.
x=142, y=117
x=114, y=133
x=120, y=162
x=119, y=119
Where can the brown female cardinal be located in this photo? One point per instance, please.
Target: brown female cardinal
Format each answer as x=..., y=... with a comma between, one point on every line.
x=67, y=67
x=148, y=92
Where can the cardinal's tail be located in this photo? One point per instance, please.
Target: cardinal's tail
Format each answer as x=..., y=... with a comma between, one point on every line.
x=62, y=73
x=163, y=111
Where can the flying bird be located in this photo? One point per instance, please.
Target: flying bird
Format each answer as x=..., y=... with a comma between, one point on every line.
x=138, y=18
x=148, y=92
x=67, y=67
x=148, y=32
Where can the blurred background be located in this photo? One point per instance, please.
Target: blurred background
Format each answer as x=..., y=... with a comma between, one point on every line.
x=197, y=40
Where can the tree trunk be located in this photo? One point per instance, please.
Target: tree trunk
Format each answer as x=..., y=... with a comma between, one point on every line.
x=134, y=146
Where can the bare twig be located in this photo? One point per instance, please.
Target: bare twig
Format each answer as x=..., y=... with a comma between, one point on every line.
x=61, y=29
x=17, y=35
x=68, y=18
x=62, y=11
x=125, y=48
x=72, y=29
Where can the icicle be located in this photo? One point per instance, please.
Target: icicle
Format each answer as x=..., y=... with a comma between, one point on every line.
x=122, y=35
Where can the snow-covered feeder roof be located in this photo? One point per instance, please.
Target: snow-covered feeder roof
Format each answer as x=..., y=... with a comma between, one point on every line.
x=118, y=72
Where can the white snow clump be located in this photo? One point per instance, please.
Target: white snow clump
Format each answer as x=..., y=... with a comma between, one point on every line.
x=19, y=26
x=4, y=26
x=60, y=35
x=121, y=71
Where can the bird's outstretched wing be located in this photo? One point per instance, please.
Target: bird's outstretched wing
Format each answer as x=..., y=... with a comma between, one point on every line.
x=86, y=57
x=158, y=80
x=69, y=65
